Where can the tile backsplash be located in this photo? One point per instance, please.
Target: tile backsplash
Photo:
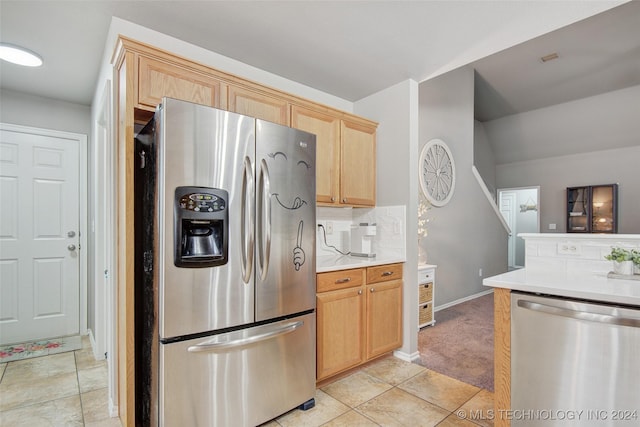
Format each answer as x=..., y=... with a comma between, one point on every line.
x=390, y=234
x=573, y=253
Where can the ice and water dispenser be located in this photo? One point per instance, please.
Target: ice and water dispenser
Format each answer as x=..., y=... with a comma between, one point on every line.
x=201, y=227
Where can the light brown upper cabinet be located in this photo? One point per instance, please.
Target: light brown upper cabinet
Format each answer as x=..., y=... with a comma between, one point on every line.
x=345, y=157
x=158, y=78
x=326, y=127
x=357, y=164
x=256, y=104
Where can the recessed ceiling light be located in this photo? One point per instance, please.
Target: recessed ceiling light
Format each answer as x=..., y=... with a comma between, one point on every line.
x=549, y=57
x=19, y=55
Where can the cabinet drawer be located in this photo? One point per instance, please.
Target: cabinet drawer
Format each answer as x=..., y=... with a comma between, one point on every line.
x=383, y=273
x=425, y=276
x=426, y=292
x=342, y=279
x=426, y=313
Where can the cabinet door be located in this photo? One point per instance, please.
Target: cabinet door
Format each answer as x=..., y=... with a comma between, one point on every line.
x=327, y=131
x=254, y=104
x=340, y=331
x=604, y=208
x=384, y=317
x=578, y=210
x=157, y=79
x=358, y=164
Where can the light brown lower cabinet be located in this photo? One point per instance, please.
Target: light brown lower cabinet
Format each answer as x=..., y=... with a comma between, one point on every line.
x=359, y=317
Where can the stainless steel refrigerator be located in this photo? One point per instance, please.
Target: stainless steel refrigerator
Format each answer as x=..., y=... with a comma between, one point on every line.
x=225, y=268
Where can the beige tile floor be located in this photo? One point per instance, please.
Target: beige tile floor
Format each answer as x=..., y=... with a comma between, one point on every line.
x=70, y=389
x=65, y=389
x=392, y=392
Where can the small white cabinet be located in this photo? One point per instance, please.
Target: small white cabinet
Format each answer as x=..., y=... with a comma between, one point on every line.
x=426, y=291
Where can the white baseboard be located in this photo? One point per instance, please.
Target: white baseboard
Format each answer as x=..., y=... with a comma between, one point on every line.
x=406, y=356
x=113, y=409
x=461, y=300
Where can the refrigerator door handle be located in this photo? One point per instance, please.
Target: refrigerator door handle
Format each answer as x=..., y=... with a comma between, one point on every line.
x=247, y=210
x=237, y=344
x=264, y=221
x=581, y=315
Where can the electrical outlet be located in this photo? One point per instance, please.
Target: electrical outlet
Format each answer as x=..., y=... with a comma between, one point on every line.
x=329, y=227
x=480, y=272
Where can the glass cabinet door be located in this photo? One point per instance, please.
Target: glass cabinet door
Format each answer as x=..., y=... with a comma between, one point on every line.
x=592, y=209
x=578, y=210
x=604, y=212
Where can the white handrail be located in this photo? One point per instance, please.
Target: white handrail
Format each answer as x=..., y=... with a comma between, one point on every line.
x=493, y=204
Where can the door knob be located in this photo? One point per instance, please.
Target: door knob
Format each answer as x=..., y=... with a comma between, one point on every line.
x=71, y=247
x=71, y=234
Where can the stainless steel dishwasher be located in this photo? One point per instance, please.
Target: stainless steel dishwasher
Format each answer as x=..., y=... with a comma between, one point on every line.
x=573, y=363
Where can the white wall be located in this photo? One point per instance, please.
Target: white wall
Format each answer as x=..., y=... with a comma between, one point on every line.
x=396, y=109
x=554, y=175
x=30, y=110
x=465, y=235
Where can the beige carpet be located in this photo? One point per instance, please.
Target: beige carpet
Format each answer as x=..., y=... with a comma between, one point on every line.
x=460, y=345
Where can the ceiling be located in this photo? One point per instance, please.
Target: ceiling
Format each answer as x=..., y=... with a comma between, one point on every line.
x=597, y=55
x=349, y=49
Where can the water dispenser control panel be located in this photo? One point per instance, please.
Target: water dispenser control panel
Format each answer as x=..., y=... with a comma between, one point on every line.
x=202, y=202
x=201, y=227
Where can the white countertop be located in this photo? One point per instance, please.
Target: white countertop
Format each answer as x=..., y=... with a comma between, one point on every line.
x=326, y=263
x=593, y=286
x=579, y=236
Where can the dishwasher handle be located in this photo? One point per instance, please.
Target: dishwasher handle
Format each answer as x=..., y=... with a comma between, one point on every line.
x=580, y=315
x=236, y=344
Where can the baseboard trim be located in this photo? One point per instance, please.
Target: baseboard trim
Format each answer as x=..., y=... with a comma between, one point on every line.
x=461, y=300
x=113, y=409
x=406, y=356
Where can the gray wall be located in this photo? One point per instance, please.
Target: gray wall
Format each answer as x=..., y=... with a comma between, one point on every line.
x=465, y=235
x=396, y=109
x=29, y=110
x=483, y=157
x=604, y=129
x=554, y=175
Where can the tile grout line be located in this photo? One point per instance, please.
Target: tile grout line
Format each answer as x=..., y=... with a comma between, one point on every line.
x=75, y=361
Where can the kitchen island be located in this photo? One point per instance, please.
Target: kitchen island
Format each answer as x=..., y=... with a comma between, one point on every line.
x=563, y=265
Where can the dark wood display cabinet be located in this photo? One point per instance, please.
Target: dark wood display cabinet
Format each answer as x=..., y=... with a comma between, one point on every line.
x=592, y=209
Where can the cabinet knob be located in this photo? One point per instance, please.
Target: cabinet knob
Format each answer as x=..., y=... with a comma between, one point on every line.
x=344, y=200
x=360, y=292
x=387, y=273
x=333, y=199
x=371, y=290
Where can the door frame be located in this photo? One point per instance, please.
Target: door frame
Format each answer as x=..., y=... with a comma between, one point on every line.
x=513, y=230
x=82, y=208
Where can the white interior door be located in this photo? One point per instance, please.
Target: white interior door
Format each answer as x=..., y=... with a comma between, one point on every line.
x=507, y=209
x=39, y=236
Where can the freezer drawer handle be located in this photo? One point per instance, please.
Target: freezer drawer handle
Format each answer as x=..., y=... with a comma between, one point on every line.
x=580, y=315
x=246, y=341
